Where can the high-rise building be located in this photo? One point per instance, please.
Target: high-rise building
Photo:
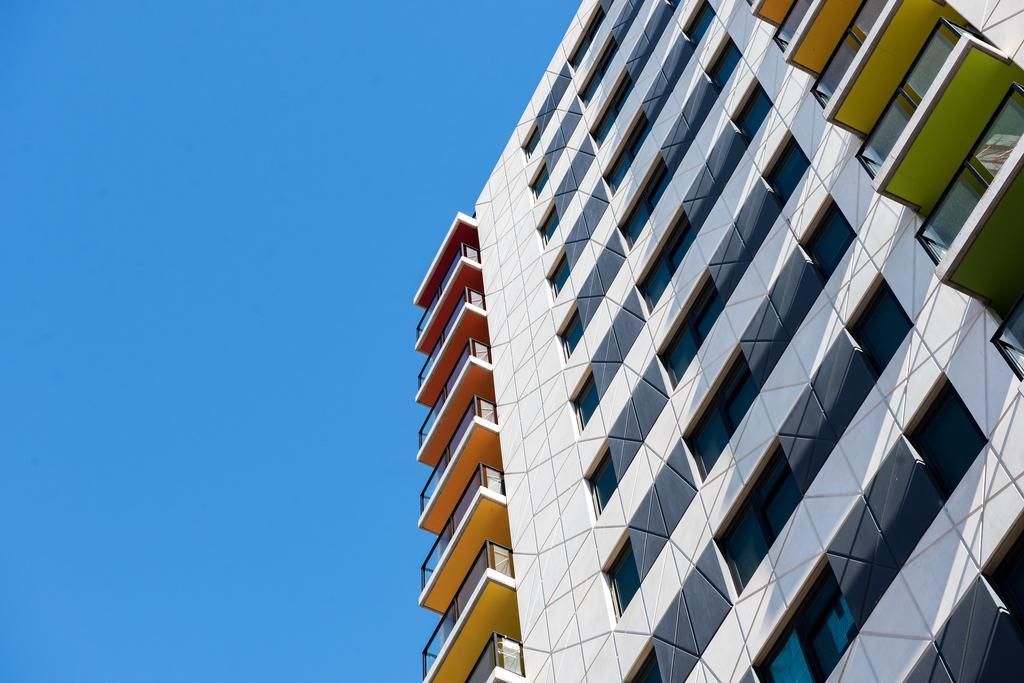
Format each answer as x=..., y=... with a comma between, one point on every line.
x=724, y=373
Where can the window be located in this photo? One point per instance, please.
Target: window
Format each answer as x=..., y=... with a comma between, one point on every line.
x=549, y=226
x=1009, y=580
x=576, y=58
x=586, y=401
x=1010, y=339
x=881, y=328
x=603, y=482
x=976, y=173
x=724, y=64
x=908, y=97
x=791, y=23
x=773, y=498
x=693, y=331
x=645, y=205
x=754, y=112
x=700, y=24
x=816, y=639
x=560, y=275
x=840, y=61
x=723, y=416
x=789, y=168
x=600, y=69
x=948, y=439
x=830, y=241
x=634, y=142
x=625, y=578
x=611, y=113
x=530, y=145
x=680, y=238
x=573, y=334
x=540, y=181
x=649, y=672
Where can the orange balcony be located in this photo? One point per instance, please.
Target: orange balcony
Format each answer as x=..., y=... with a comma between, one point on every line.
x=464, y=274
x=473, y=427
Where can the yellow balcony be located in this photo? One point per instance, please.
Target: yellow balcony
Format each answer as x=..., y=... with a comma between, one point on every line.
x=501, y=661
x=484, y=603
x=480, y=515
x=475, y=427
x=883, y=60
x=820, y=32
x=772, y=11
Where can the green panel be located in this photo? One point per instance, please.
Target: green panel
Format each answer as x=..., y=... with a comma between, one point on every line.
x=992, y=265
x=952, y=129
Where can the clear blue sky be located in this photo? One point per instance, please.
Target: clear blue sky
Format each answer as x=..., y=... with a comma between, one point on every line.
x=213, y=216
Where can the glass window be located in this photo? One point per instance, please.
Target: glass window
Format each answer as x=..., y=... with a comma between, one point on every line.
x=830, y=241
x=572, y=334
x=754, y=112
x=692, y=332
x=791, y=23
x=560, y=276
x=668, y=260
x=649, y=197
x=773, y=498
x=625, y=576
x=840, y=61
x=540, y=181
x=649, y=672
x=1010, y=339
x=948, y=439
x=576, y=58
x=815, y=639
x=603, y=482
x=881, y=328
x=611, y=113
x=530, y=146
x=723, y=416
x=788, y=170
x=634, y=142
x=1009, y=580
x=600, y=69
x=700, y=24
x=586, y=401
x=549, y=226
x=724, y=64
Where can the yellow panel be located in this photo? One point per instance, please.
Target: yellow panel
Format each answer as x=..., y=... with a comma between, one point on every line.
x=886, y=65
x=774, y=10
x=495, y=612
x=812, y=48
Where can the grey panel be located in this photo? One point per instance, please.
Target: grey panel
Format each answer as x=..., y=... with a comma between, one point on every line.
x=729, y=264
x=764, y=342
x=757, y=216
x=648, y=403
x=622, y=451
x=795, y=290
x=607, y=351
x=674, y=663
x=603, y=374
x=626, y=327
x=709, y=565
x=930, y=668
x=646, y=548
x=625, y=19
x=861, y=561
x=706, y=606
x=700, y=198
x=726, y=154
x=806, y=438
x=843, y=382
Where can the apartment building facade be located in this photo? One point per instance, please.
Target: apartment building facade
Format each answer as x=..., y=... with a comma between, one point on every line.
x=723, y=375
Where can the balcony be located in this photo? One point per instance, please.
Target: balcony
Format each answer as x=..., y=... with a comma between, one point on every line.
x=772, y=11
x=822, y=30
x=809, y=47
x=968, y=90
x=501, y=661
x=485, y=602
x=881, y=62
x=475, y=355
x=477, y=427
x=480, y=515
x=463, y=230
x=464, y=274
x=466, y=322
x=473, y=378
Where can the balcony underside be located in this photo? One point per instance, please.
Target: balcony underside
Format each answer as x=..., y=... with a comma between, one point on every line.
x=946, y=126
x=820, y=33
x=463, y=230
x=463, y=466
x=487, y=520
x=470, y=324
x=481, y=434
x=492, y=610
x=467, y=274
x=772, y=11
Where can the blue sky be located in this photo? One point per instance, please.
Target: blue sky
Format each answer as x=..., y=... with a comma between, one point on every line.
x=213, y=218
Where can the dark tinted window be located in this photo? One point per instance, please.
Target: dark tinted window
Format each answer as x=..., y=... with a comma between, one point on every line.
x=948, y=439
x=772, y=500
x=654, y=284
x=603, y=482
x=548, y=227
x=724, y=64
x=588, y=37
x=723, y=416
x=586, y=402
x=600, y=69
x=540, y=181
x=817, y=637
x=649, y=672
x=649, y=197
x=632, y=147
x=754, y=112
x=700, y=24
x=560, y=276
x=573, y=333
x=530, y=146
x=830, y=241
x=611, y=113
x=693, y=331
x=1009, y=580
x=882, y=327
x=625, y=578
x=788, y=170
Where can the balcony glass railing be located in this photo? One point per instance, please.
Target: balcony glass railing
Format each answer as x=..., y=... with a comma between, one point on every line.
x=449, y=451
x=465, y=250
x=492, y=556
x=840, y=61
x=908, y=96
x=501, y=652
x=976, y=174
x=474, y=349
x=480, y=407
x=486, y=478
x=1010, y=339
x=470, y=296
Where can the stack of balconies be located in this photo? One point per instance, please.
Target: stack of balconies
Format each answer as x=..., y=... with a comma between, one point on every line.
x=941, y=112
x=468, y=576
